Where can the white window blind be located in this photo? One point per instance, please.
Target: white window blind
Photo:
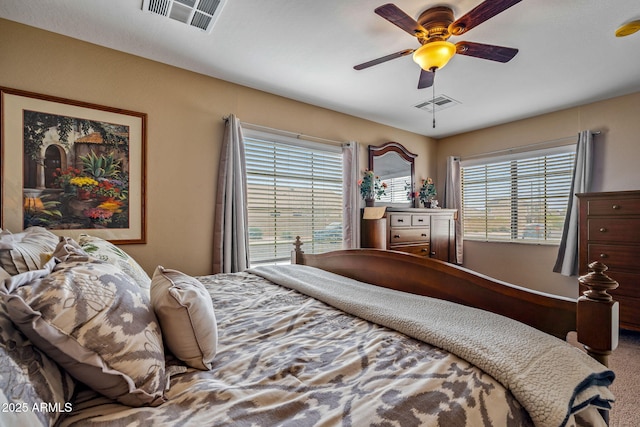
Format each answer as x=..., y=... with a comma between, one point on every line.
x=518, y=197
x=294, y=188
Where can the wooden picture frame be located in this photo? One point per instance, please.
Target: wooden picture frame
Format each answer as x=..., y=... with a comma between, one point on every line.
x=72, y=167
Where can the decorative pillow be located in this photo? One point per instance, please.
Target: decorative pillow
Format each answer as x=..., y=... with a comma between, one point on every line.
x=21, y=252
x=96, y=322
x=108, y=252
x=28, y=379
x=185, y=312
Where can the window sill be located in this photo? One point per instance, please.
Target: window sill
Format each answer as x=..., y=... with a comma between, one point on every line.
x=517, y=242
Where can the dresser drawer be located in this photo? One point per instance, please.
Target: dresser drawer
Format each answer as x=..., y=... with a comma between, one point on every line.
x=628, y=285
x=613, y=207
x=420, y=220
x=400, y=220
x=615, y=256
x=621, y=230
x=422, y=250
x=408, y=235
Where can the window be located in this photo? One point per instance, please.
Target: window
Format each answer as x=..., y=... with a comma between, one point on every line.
x=294, y=188
x=518, y=197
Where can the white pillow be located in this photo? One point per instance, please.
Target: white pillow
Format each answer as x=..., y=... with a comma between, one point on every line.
x=186, y=316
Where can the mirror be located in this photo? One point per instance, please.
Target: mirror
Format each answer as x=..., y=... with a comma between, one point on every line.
x=394, y=164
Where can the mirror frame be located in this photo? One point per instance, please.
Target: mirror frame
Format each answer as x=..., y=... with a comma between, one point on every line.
x=396, y=147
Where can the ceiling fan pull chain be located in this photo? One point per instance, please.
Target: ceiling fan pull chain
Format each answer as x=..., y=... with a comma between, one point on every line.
x=433, y=99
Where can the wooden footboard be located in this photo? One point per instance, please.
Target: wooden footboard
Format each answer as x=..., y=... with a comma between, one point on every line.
x=594, y=315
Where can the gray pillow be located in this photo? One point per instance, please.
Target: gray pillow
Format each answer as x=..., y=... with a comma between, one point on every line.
x=96, y=322
x=185, y=312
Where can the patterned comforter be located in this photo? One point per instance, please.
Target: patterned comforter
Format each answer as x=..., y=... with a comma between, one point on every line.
x=285, y=359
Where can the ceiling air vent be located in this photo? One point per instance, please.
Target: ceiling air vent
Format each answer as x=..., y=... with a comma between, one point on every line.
x=196, y=13
x=438, y=103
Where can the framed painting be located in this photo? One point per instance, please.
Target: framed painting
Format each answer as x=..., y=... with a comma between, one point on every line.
x=72, y=167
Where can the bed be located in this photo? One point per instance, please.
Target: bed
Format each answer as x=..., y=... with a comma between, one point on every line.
x=346, y=338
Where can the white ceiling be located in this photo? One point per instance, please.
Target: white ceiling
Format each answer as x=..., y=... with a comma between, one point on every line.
x=306, y=50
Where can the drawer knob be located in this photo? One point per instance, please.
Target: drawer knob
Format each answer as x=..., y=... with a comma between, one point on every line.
x=420, y=220
x=603, y=230
x=615, y=206
x=423, y=235
x=604, y=256
x=433, y=253
x=396, y=236
x=402, y=220
x=425, y=250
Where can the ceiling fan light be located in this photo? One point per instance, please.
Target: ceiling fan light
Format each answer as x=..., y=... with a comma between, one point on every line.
x=434, y=55
x=628, y=28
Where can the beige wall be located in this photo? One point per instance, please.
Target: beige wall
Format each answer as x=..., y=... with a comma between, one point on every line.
x=617, y=151
x=185, y=113
x=185, y=128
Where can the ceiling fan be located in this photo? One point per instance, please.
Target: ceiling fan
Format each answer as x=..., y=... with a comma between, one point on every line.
x=434, y=27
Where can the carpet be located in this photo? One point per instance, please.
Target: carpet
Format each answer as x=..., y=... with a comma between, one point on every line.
x=625, y=362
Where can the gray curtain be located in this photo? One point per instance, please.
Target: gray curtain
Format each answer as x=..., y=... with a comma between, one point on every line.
x=453, y=200
x=567, y=260
x=231, y=237
x=351, y=211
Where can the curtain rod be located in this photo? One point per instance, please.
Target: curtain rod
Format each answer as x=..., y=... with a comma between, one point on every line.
x=525, y=147
x=288, y=133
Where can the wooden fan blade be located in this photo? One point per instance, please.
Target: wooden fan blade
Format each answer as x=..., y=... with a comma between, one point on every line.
x=476, y=16
x=384, y=59
x=396, y=16
x=486, y=51
x=426, y=79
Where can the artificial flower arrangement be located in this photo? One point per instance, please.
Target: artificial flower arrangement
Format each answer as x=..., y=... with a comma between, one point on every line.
x=425, y=194
x=371, y=187
x=427, y=191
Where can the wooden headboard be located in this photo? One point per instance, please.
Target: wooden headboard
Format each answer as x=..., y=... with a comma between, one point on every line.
x=594, y=315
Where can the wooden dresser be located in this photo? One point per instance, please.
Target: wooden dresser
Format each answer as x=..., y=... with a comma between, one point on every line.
x=610, y=233
x=425, y=232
